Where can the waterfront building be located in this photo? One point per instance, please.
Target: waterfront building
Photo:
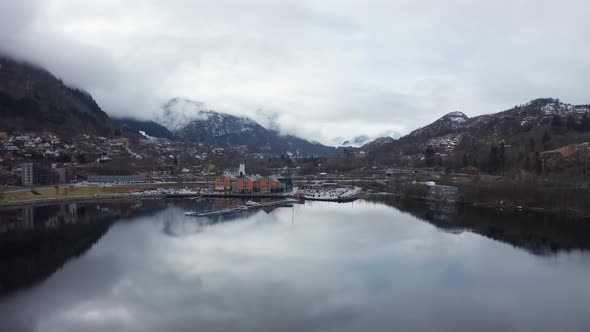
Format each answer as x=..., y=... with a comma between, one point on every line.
x=34, y=174
x=239, y=181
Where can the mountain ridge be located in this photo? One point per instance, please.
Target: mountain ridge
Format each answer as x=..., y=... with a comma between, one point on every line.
x=192, y=121
x=528, y=130
x=31, y=98
x=149, y=127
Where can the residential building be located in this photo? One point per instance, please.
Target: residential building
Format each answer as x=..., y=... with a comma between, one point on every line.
x=275, y=184
x=27, y=174
x=33, y=174
x=65, y=173
x=225, y=182
x=264, y=184
x=246, y=184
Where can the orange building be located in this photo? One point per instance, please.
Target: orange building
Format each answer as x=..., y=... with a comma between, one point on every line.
x=275, y=184
x=270, y=184
x=250, y=184
x=246, y=184
x=218, y=181
x=224, y=182
x=263, y=187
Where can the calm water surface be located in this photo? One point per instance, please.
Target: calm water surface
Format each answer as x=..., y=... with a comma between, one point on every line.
x=365, y=266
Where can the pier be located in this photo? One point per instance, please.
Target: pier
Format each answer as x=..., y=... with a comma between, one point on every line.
x=241, y=208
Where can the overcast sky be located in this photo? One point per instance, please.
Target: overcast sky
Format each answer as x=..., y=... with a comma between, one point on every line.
x=326, y=67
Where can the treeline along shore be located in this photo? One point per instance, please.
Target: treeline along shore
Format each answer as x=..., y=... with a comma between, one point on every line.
x=543, y=194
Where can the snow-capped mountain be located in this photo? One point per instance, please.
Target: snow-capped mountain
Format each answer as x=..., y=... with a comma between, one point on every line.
x=531, y=124
x=268, y=120
x=357, y=141
x=177, y=113
x=522, y=118
x=190, y=120
x=209, y=127
x=379, y=142
x=449, y=122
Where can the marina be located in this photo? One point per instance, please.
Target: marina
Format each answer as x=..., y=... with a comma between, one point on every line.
x=249, y=206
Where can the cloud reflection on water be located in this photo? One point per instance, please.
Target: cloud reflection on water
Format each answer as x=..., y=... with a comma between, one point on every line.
x=337, y=267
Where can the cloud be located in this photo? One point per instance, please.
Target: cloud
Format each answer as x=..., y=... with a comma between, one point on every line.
x=329, y=68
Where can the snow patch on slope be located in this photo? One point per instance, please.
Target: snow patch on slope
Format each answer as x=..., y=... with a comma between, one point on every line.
x=361, y=140
x=559, y=108
x=177, y=113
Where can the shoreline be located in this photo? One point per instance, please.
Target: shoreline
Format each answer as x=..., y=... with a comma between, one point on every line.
x=116, y=196
x=73, y=199
x=263, y=195
x=493, y=206
x=363, y=194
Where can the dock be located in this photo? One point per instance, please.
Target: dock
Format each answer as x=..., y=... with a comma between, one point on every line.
x=284, y=202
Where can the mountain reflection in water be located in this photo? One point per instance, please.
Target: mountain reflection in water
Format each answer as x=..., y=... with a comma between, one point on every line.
x=36, y=241
x=376, y=265
x=539, y=233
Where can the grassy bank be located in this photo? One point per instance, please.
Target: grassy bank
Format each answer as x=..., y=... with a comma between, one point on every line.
x=63, y=193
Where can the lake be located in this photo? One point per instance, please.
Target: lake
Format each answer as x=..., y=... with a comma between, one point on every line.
x=379, y=265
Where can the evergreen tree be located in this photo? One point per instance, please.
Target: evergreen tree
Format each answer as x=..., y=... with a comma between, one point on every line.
x=81, y=158
x=570, y=122
x=493, y=159
x=538, y=163
x=501, y=157
x=585, y=124
x=64, y=158
x=532, y=144
x=429, y=155
x=545, y=138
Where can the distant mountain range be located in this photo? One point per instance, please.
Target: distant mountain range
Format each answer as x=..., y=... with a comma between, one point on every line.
x=190, y=120
x=177, y=113
x=360, y=140
x=32, y=99
x=356, y=141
